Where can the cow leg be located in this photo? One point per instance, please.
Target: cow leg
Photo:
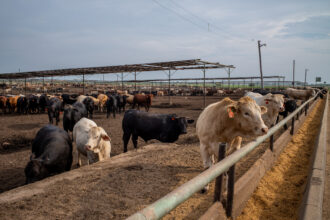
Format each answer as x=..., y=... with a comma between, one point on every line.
x=207, y=161
x=126, y=137
x=57, y=115
x=134, y=140
x=50, y=116
x=235, y=145
x=114, y=112
x=79, y=159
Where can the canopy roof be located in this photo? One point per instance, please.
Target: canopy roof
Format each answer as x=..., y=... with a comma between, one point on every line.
x=171, y=65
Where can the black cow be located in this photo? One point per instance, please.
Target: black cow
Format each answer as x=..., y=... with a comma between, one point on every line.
x=32, y=104
x=72, y=114
x=290, y=105
x=51, y=154
x=43, y=100
x=22, y=105
x=69, y=99
x=89, y=105
x=121, y=102
x=162, y=127
x=265, y=92
x=54, y=108
x=111, y=105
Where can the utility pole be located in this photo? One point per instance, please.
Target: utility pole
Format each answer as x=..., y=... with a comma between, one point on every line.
x=305, y=77
x=293, y=66
x=261, y=76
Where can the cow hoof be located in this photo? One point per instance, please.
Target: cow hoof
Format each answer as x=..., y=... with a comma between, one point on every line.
x=78, y=165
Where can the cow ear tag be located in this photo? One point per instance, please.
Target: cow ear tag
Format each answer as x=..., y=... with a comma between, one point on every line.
x=230, y=113
x=172, y=118
x=267, y=102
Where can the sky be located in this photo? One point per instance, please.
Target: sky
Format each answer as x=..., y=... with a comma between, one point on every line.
x=43, y=35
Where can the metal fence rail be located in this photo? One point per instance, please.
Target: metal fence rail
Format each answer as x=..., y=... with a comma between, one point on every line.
x=167, y=203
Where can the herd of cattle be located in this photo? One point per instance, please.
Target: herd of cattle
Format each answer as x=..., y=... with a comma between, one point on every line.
x=224, y=121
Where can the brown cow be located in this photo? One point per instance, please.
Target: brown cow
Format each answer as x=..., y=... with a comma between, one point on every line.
x=12, y=103
x=228, y=121
x=300, y=93
x=3, y=102
x=142, y=100
x=129, y=98
x=102, y=101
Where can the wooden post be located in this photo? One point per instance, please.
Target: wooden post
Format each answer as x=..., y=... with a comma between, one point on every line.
x=219, y=179
x=292, y=126
x=230, y=191
x=271, y=143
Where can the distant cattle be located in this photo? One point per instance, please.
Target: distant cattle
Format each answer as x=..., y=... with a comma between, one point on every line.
x=91, y=141
x=142, y=100
x=102, y=101
x=22, y=105
x=162, y=127
x=32, y=104
x=111, y=105
x=51, y=154
x=54, y=108
x=300, y=93
x=89, y=104
x=69, y=99
x=129, y=99
x=3, y=104
x=12, y=103
x=290, y=106
x=228, y=121
x=72, y=114
x=274, y=104
x=43, y=100
x=121, y=102
x=265, y=92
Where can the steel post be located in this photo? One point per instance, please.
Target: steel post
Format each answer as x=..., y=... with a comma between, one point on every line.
x=219, y=180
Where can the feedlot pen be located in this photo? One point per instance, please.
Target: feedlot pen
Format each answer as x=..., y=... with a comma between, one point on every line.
x=115, y=188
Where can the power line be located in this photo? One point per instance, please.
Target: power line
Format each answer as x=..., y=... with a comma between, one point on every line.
x=182, y=17
x=190, y=21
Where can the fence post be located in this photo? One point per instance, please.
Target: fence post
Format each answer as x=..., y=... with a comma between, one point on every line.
x=230, y=191
x=292, y=126
x=306, y=110
x=219, y=179
x=271, y=143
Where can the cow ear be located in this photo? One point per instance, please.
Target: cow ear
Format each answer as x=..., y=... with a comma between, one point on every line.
x=105, y=137
x=232, y=108
x=263, y=109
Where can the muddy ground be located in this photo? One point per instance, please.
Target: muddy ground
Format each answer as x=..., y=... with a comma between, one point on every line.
x=118, y=191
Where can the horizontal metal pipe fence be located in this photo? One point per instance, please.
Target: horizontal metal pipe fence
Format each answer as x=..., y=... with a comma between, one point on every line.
x=167, y=203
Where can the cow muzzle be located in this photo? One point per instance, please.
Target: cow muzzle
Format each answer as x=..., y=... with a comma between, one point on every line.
x=88, y=148
x=264, y=130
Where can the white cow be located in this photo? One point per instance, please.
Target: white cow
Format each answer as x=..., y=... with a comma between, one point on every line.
x=91, y=141
x=228, y=121
x=274, y=104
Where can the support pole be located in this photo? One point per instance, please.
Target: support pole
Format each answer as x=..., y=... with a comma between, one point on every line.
x=135, y=80
x=204, y=92
x=83, y=83
x=122, y=81
x=305, y=77
x=292, y=126
x=169, y=88
x=229, y=78
x=230, y=195
x=219, y=179
x=293, y=68
x=260, y=65
x=25, y=86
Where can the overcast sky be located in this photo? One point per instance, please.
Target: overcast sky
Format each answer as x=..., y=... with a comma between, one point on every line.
x=40, y=35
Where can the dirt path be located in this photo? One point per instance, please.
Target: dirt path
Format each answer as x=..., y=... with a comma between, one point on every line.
x=279, y=193
x=326, y=196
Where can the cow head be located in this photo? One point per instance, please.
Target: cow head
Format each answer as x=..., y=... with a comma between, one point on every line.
x=247, y=115
x=275, y=101
x=35, y=169
x=95, y=135
x=181, y=123
x=290, y=105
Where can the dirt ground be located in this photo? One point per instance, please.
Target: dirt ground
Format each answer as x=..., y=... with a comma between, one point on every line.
x=118, y=191
x=281, y=190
